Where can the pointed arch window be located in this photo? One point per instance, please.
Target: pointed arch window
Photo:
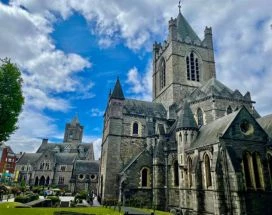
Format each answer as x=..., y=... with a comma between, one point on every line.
x=247, y=163
x=145, y=177
x=190, y=172
x=176, y=173
x=162, y=73
x=258, y=171
x=193, y=70
x=269, y=160
x=199, y=117
x=135, y=128
x=208, y=176
x=229, y=110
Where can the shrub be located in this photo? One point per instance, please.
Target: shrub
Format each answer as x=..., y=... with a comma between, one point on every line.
x=80, y=196
x=55, y=200
x=26, y=198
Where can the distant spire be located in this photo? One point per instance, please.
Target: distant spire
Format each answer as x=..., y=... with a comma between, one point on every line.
x=117, y=92
x=179, y=6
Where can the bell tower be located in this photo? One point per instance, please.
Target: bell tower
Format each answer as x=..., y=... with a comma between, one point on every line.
x=181, y=63
x=73, y=131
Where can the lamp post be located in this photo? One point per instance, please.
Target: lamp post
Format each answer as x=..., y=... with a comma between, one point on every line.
x=165, y=149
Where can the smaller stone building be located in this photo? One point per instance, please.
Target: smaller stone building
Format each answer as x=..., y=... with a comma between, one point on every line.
x=69, y=165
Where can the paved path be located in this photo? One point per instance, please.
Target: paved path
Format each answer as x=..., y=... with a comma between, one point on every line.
x=134, y=211
x=95, y=202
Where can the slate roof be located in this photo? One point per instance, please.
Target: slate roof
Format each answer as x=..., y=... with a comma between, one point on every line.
x=144, y=108
x=84, y=166
x=266, y=123
x=210, y=133
x=73, y=147
x=117, y=92
x=28, y=158
x=65, y=158
x=185, y=30
x=213, y=87
x=186, y=118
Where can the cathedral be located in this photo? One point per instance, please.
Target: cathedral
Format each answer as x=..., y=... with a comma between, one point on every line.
x=198, y=148
x=69, y=165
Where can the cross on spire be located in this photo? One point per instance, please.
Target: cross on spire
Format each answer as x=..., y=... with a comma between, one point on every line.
x=179, y=6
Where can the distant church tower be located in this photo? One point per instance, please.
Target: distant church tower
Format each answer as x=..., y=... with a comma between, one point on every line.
x=182, y=63
x=73, y=131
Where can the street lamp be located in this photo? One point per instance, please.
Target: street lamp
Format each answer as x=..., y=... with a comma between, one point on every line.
x=165, y=149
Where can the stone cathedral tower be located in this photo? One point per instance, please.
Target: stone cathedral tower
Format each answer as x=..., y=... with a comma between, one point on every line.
x=182, y=63
x=73, y=131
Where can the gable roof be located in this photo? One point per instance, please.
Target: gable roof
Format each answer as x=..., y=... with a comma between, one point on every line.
x=266, y=123
x=210, y=133
x=28, y=158
x=186, y=119
x=65, y=158
x=213, y=87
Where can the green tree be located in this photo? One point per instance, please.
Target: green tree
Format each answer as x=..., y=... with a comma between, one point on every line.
x=11, y=98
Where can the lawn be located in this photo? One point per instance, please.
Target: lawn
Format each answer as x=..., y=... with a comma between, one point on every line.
x=8, y=209
x=50, y=211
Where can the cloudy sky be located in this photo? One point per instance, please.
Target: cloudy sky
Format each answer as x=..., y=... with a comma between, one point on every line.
x=70, y=53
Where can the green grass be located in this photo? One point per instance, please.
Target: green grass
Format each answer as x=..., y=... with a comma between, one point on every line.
x=50, y=211
x=8, y=208
x=8, y=205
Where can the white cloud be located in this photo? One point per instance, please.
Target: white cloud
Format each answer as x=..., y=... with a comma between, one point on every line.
x=140, y=86
x=95, y=112
x=34, y=126
x=47, y=71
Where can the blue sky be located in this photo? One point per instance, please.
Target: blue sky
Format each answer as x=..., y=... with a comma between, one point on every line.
x=71, y=54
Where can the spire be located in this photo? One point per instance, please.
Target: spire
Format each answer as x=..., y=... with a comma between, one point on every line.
x=75, y=120
x=117, y=92
x=184, y=29
x=179, y=6
x=186, y=118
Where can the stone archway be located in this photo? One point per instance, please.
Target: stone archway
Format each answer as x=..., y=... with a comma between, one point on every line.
x=47, y=180
x=36, y=181
x=42, y=181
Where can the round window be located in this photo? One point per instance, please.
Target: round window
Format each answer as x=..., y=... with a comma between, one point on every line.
x=246, y=127
x=81, y=176
x=92, y=177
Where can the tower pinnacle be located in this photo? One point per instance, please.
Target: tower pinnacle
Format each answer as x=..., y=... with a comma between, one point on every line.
x=179, y=6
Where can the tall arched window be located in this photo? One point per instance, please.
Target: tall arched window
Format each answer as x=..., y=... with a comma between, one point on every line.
x=176, y=173
x=47, y=180
x=229, y=110
x=135, y=128
x=162, y=73
x=36, y=181
x=193, y=70
x=190, y=172
x=258, y=171
x=199, y=117
x=144, y=177
x=247, y=168
x=208, y=175
x=269, y=160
